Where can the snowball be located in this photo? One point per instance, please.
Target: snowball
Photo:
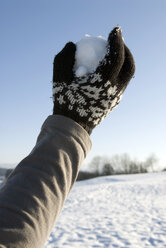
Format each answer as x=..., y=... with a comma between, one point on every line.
x=89, y=52
x=81, y=71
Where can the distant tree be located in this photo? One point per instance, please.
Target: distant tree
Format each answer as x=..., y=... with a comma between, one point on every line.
x=125, y=162
x=115, y=161
x=95, y=164
x=150, y=163
x=107, y=169
x=121, y=163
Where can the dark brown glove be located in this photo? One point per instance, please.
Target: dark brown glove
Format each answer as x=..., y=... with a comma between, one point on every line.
x=89, y=99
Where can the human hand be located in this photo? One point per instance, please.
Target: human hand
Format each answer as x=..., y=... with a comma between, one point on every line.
x=90, y=98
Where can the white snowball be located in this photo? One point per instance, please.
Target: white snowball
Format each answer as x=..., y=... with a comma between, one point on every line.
x=90, y=51
x=81, y=71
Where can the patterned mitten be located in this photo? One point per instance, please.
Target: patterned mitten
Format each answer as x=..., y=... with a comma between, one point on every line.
x=88, y=99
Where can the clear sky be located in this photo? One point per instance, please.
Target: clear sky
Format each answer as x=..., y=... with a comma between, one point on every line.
x=32, y=32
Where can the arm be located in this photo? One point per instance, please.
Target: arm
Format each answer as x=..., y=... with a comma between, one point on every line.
x=34, y=194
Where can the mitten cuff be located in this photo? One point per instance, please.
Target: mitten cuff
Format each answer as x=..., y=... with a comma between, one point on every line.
x=74, y=116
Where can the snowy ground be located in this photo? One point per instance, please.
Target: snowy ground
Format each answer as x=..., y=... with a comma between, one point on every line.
x=118, y=211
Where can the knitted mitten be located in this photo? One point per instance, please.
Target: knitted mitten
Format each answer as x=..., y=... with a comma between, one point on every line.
x=89, y=99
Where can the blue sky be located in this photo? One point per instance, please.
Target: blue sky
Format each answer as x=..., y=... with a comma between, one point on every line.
x=32, y=32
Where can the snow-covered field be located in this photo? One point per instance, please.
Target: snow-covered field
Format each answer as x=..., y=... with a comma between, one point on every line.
x=117, y=211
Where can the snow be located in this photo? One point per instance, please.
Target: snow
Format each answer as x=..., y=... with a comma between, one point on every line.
x=89, y=52
x=114, y=211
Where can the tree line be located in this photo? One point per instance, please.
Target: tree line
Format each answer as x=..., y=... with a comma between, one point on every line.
x=117, y=165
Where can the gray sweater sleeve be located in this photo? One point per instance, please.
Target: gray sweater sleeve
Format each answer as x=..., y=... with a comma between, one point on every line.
x=34, y=194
